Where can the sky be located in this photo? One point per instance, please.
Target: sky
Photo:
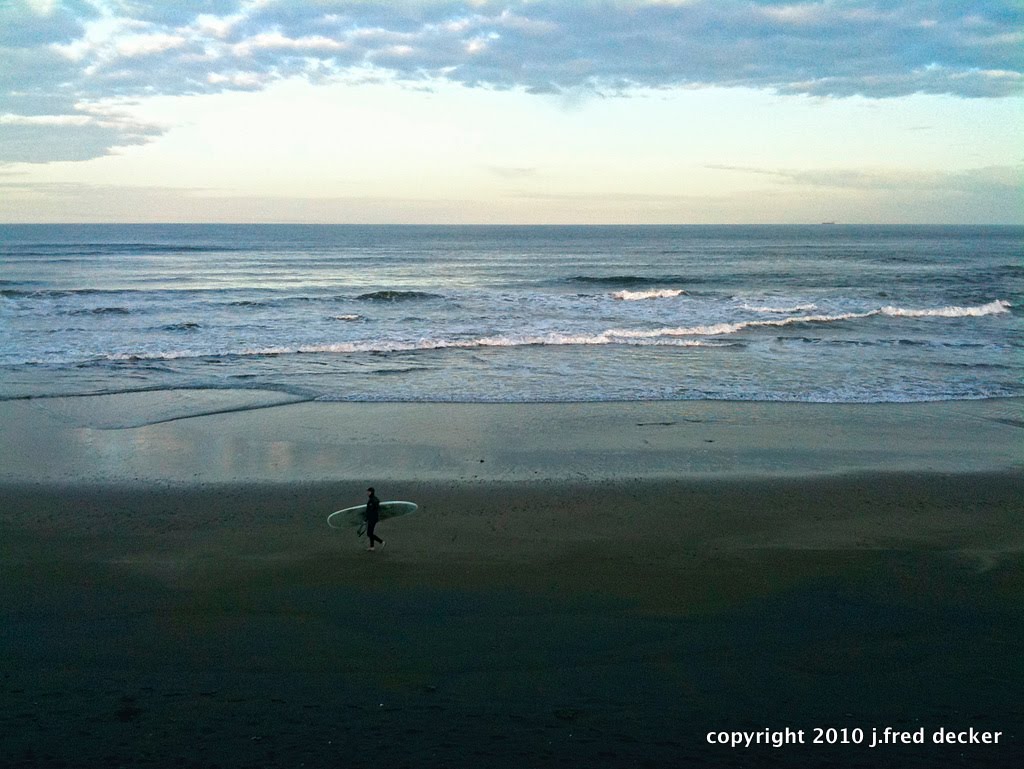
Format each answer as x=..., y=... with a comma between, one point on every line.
x=532, y=112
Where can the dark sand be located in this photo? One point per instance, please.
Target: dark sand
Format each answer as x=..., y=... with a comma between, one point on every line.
x=611, y=583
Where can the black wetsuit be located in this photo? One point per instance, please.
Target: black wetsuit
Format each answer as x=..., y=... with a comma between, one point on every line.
x=372, y=516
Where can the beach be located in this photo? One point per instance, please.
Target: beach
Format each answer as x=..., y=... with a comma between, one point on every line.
x=681, y=342
x=601, y=584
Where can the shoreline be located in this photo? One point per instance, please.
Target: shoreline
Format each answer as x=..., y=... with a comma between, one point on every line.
x=157, y=437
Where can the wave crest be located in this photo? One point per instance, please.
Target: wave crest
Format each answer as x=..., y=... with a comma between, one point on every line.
x=780, y=310
x=682, y=336
x=396, y=296
x=660, y=293
x=997, y=307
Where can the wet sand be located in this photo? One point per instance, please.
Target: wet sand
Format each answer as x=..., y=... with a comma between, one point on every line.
x=583, y=585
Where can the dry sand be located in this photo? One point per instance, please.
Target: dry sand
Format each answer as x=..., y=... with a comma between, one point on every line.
x=583, y=585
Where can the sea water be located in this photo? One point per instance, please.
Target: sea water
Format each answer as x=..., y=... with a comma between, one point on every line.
x=477, y=313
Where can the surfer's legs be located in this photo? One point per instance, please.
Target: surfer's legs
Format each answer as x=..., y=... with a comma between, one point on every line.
x=370, y=526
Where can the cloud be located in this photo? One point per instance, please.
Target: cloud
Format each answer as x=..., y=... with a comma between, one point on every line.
x=994, y=181
x=56, y=57
x=89, y=131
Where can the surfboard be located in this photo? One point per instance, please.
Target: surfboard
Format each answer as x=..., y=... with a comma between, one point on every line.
x=356, y=516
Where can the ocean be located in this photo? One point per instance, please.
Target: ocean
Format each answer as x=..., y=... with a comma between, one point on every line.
x=826, y=313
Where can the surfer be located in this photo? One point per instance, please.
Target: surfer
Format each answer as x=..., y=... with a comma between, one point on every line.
x=372, y=516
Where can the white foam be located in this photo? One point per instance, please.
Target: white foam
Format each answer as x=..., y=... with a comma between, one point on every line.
x=604, y=338
x=719, y=329
x=997, y=307
x=780, y=310
x=681, y=336
x=612, y=336
x=635, y=296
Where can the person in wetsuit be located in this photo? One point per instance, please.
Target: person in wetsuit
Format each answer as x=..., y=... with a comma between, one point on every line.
x=372, y=517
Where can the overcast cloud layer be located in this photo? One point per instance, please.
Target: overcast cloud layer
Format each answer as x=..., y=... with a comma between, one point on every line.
x=64, y=65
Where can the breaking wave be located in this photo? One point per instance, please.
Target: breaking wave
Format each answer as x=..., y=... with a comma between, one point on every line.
x=992, y=308
x=373, y=346
x=661, y=293
x=677, y=336
x=780, y=310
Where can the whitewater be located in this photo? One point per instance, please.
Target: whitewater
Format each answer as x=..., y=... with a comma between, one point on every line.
x=512, y=314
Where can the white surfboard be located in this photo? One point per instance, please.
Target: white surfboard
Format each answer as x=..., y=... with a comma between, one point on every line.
x=356, y=516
